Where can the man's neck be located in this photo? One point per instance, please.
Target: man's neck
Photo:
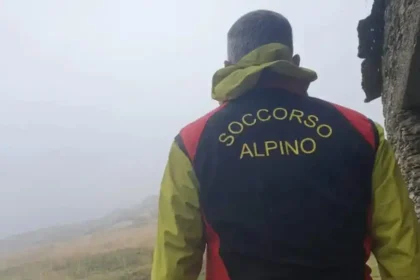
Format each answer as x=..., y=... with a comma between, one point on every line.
x=273, y=80
x=289, y=84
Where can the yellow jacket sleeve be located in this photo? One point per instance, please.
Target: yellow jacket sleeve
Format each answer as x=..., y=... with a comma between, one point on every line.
x=180, y=244
x=395, y=230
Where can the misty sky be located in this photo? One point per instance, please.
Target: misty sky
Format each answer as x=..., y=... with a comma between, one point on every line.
x=92, y=92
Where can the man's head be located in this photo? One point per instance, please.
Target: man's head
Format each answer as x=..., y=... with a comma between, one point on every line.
x=256, y=29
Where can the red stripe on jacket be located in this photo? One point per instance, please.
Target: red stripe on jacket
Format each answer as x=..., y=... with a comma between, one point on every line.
x=363, y=125
x=191, y=135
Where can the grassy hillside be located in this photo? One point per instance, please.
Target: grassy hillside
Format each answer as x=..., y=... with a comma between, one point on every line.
x=135, y=216
x=124, y=254
x=117, y=247
x=121, y=255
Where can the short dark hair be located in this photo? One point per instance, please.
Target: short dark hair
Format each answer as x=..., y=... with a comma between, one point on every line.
x=256, y=29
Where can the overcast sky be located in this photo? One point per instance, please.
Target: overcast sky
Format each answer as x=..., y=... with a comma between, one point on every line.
x=92, y=92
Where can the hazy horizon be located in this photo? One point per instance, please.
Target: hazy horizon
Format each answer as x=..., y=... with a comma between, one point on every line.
x=93, y=92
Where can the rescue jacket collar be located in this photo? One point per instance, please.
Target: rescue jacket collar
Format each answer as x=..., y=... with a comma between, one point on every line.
x=234, y=80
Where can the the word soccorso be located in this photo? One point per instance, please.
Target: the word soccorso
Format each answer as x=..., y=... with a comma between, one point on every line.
x=270, y=146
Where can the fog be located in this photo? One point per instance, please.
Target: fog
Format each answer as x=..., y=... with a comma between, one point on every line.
x=92, y=92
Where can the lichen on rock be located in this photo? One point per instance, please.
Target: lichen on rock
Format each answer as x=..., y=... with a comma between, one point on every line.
x=389, y=43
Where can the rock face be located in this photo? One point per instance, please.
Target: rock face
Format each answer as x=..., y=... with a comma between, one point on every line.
x=371, y=40
x=398, y=82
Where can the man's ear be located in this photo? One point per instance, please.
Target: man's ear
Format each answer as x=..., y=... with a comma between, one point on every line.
x=228, y=63
x=296, y=59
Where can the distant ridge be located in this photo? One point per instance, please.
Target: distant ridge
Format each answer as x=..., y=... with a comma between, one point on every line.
x=135, y=216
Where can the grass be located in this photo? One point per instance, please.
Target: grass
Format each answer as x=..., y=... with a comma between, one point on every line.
x=374, y=266
x=120, y=255
x=124, y=264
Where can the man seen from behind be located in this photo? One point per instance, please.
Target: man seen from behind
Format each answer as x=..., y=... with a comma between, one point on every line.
x=278, y=184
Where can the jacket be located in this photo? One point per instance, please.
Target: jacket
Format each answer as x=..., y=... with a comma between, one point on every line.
x=279, y=185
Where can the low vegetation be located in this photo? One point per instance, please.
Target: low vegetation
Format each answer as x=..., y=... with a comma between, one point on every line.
x=123, y=264
x=113, y=250
x=122, y=255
